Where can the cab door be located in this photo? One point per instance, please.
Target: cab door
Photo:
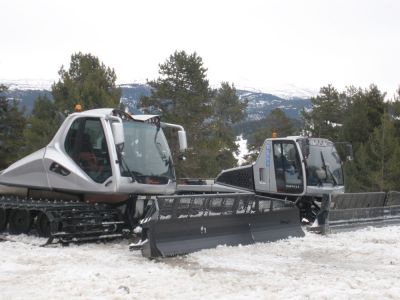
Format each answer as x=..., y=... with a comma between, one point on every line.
x=80, y=160
x=287, y=166
x=86, y=144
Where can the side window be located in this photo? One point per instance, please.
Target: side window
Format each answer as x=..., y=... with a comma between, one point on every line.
x=288, y=171
x=70, y=140
x=278, y=163
x=86, y=144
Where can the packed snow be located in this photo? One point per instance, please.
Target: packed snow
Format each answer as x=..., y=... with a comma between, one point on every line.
x=363, y=264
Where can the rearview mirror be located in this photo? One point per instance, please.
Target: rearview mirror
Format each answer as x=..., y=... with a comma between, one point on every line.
x=182, y=140
x=118, y=133
x=349, y=152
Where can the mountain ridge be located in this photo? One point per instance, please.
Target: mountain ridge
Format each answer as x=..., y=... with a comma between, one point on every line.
x=259, y=103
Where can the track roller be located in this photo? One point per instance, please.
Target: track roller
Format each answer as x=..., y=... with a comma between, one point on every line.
x=42, y=225
x=60, y=221
x=20, y=221
x=3, y=219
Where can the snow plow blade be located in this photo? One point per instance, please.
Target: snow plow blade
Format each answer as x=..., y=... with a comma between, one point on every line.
x=183, y=224
x=354, y=210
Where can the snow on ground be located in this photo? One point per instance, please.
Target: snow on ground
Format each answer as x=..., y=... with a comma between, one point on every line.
x=353, y=265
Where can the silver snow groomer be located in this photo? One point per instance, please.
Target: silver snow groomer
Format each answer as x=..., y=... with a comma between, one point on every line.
x=98, y=161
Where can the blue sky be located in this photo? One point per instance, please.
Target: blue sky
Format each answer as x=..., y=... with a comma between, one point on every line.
x=260, y=44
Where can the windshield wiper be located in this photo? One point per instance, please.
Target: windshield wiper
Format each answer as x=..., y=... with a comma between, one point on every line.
x=121, y=160
x=125, y=166
x=327, y=170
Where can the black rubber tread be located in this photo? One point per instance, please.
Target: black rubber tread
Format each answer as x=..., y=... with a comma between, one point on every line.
x=42, y=225
x=3, y=219
x=20, y=221
x=63, y=221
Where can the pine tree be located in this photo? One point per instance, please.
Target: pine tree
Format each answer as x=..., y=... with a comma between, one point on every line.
x=42, y=124
x=325, y=118
x=394, y=110
x=377, y=162
x=276, y=121
x=182, y=95
x=227, y=110
x=12, y=124
x=363, y=114
x=87, y=82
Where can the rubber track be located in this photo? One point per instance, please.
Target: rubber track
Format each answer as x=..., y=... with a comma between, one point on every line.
x=71, y=222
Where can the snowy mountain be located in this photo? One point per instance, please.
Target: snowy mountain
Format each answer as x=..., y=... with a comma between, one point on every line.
x=260, y=103
x=28, y=84
x=131, y=94
x=287, y=91
x=292, y=92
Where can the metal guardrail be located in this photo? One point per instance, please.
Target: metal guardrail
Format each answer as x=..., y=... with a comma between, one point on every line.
x=358, y=200
x=352, y=210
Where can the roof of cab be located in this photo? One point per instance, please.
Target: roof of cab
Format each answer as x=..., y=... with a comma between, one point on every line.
x=102, y=112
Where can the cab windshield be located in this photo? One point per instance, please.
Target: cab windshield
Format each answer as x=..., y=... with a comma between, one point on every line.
x=147, y=157
x=323, y=164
